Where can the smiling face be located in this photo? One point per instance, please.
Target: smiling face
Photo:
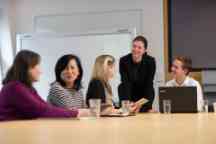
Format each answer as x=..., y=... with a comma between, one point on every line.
x=178, y=69
x=138, y=50
x=71, y=72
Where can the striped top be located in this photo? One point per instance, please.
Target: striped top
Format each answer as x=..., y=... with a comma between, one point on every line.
x=64, y=97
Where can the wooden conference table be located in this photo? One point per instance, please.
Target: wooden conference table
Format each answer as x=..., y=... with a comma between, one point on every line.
x=140, y=129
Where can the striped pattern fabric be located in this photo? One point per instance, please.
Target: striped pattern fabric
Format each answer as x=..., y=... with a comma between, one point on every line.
x=64, y=97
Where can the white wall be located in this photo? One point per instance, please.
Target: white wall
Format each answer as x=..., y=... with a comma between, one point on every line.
x=1, y=74
x=6, y=45
x=25, y=10
x=152, y=16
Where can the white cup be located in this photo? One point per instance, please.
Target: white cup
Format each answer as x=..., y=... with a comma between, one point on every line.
x=214, y=106
x=95, y=107
x=125, y=106
x=205, y=106
x=167, y=106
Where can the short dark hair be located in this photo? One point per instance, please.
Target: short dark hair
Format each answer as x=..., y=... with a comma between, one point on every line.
x=62, y=64
x=186, y=63
x=23, y=61
x=142, y=39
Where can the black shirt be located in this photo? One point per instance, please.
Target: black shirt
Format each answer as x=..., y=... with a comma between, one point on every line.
x=137, y=79
x=95, y=90
x=134, y=71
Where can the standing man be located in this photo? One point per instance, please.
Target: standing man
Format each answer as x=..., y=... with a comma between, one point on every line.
x=137, y=71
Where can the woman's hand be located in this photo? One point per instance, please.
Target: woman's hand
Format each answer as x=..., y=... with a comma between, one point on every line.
x=84, y=113
x=134, y=108
x=152, y=111
x=116, y=111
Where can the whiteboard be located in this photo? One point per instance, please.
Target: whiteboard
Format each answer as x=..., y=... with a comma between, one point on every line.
x=87, y=46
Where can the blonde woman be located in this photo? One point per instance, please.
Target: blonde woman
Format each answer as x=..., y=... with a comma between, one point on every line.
x=99, y=86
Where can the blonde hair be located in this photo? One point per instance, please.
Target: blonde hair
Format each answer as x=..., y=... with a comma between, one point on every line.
x=101, y=65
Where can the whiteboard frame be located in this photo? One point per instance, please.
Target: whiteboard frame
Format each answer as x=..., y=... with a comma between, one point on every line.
x=25, y=36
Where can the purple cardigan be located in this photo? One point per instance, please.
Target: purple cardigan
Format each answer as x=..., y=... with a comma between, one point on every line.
x=17, y=101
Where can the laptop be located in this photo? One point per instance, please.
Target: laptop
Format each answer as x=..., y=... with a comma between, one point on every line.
x=183, y=99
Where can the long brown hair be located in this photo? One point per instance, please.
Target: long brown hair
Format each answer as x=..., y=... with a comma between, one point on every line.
x=19, y=71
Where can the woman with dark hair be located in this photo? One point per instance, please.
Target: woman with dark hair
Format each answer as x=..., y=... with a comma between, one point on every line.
x=19, y=99
x=66, y=91
x=137, y=71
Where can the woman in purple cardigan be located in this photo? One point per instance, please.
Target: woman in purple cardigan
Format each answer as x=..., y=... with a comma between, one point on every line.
x=18, y=98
